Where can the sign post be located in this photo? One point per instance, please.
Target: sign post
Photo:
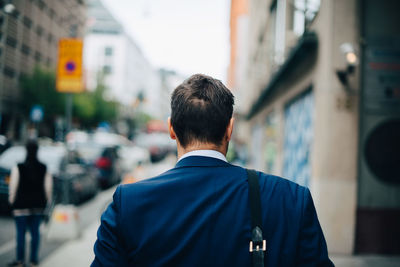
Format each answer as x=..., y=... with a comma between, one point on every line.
x=36, y=116
x=69, y=69
x=70, y=81
x=36, y=113
x=69, y=72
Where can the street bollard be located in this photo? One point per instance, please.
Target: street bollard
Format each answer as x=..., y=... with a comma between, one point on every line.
x=64, y=222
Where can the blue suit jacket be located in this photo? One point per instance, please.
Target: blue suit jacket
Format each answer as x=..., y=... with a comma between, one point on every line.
x=197, y=214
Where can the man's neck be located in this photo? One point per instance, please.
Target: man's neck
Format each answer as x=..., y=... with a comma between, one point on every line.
x=200, y=146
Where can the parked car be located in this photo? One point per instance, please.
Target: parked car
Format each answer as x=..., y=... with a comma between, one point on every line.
x=77, y=137
x=4, y=182
x=105, y=160
x=89, y=151
x=69, y=172
x=78, y=177
x=158, y=144
x=4, y=143
x=111, y=154
x=109, y=139
x=131, y=156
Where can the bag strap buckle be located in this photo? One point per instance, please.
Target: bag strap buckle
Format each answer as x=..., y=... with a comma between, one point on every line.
x=256, y=247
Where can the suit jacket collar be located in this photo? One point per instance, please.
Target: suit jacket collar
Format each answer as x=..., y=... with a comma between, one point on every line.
x=200, y=161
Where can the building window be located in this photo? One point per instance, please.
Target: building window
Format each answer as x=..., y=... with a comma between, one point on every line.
x=22, y=74
x=25, y=49
x=9, y=72
x=39, y=30
x=108, y=51
x=303, y=14
x=107, y=69
x=12, y=42
x=41, y=4
x=27, y=22
x=278, y=30
x=52, y=13
x=50, y=38
x=38, y=56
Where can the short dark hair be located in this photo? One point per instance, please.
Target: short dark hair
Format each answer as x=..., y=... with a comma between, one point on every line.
x=201, y=108
x=31, y=149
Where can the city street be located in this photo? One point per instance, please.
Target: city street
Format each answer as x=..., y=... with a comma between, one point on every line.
x=78, y=252
x=95, y=94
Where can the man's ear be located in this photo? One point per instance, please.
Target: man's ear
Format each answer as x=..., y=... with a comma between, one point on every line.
x=171, y=129
x=229, y=129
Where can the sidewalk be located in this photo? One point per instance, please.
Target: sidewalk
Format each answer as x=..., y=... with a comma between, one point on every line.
x=365, y=261
x=79, y=253
x=74, y=253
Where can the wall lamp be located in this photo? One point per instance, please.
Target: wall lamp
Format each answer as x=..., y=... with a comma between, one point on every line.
x=351, y=61
x=9, y=8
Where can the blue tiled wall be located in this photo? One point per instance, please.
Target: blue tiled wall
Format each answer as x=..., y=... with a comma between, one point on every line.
x=298, y=137
x=271, y=143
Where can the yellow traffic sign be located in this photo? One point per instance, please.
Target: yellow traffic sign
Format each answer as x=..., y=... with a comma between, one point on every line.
x=69, y=68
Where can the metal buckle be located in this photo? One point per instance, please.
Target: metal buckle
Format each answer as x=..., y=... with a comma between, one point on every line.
x=257, y=248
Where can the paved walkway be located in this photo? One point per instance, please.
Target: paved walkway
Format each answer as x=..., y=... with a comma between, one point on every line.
x=365, y=261
x=74, y=253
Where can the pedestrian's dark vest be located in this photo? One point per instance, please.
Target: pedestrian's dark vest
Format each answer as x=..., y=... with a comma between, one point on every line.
x=30, y=192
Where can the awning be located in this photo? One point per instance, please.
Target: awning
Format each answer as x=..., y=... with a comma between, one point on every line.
x=306, y=45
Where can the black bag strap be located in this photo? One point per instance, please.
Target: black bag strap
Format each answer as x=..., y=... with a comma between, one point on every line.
x=257, y=244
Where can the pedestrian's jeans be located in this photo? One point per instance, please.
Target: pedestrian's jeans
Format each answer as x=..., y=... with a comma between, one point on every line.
x=32, y=222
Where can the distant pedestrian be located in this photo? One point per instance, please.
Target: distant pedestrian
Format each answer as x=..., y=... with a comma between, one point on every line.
x=206, y=211
x=29, y=192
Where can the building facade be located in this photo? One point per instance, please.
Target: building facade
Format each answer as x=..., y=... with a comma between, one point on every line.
x=239, y=31
x=29, y=37
x=112, y=55
x=322, y=109
x=170, y=79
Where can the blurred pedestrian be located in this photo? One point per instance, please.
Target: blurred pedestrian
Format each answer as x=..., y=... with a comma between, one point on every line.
x=29, y=192
x=205, y=211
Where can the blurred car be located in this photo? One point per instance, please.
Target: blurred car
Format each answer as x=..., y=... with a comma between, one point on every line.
x=111, y=154
x=159, y=144
x=74, y=181
x=4, y=182
x=104, y=159
x=109, y=168
x=77, y=137
x=89, y=151
x=77, y=176
x=131, y=156
x=109, y=139
x=4, y=143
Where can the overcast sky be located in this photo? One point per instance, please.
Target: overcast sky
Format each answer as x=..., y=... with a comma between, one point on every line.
x=189, y=36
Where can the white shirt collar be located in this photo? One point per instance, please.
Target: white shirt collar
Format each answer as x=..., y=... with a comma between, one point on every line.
x=204, y=153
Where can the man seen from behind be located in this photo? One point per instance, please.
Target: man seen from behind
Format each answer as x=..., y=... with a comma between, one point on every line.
x=198, y=214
